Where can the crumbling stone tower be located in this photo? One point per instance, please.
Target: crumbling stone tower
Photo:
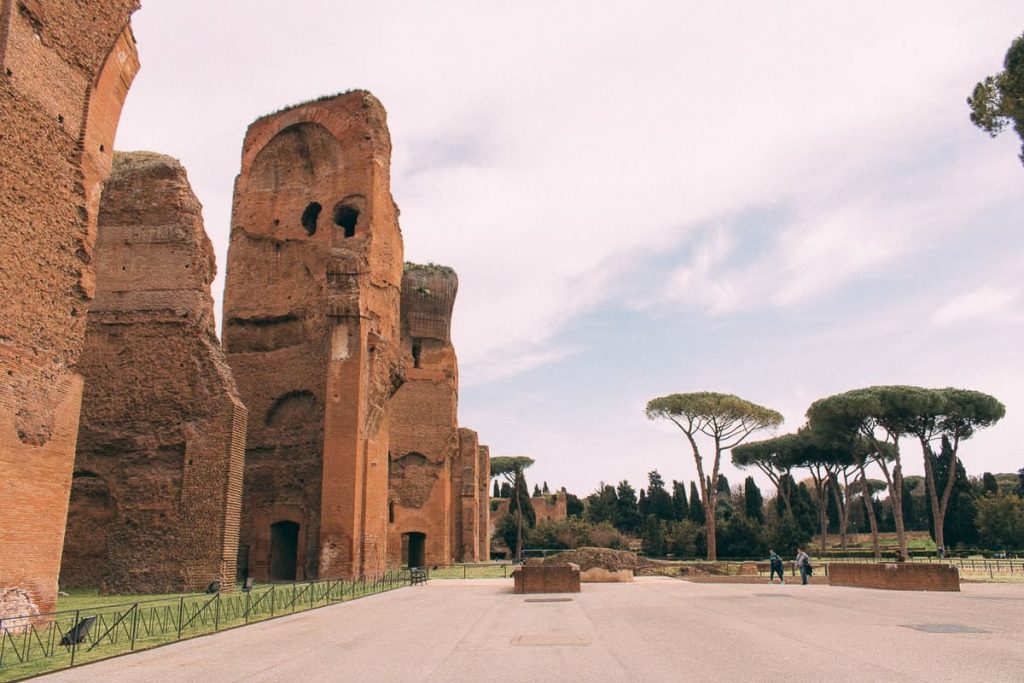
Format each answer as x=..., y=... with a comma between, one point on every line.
x=311, y=312
x=65, y=69
x=157, y=488
x=424, y=422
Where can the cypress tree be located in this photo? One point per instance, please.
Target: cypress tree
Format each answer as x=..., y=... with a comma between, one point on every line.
x=753, y=501
x=680, y=508
x=696, y=509
x=989, y=483
x=627, y=516
x=497, y=490
x=536, y=491
x=544, y=489
x=653, y=537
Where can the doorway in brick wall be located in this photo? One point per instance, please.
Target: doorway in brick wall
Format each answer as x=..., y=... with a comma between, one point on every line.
x=284, y=545
x=414, y=549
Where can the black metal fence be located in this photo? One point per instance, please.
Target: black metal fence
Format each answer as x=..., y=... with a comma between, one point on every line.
x=34, y=644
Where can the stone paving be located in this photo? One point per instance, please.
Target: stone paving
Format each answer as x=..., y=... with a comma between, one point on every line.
x=653, y=629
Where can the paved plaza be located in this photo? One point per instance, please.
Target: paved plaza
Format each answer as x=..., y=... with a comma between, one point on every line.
x=654, y=629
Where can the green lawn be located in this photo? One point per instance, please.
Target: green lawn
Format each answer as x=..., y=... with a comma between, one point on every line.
x=135, y=622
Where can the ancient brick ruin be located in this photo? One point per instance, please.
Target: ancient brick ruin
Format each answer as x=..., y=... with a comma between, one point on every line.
x=65, y=70
x=471, y=479
x=553, y=507
x=156, y=494
x=424, y=422
x=311, y=329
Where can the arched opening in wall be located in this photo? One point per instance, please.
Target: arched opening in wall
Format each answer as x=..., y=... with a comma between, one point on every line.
x=284, y=546
x=417, y=350
x=294, y=409
x=346, y=217
x=309, y=217
x=414, y=549
x=346, y=214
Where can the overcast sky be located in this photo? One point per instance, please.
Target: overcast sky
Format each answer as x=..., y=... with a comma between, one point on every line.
x=781, y=200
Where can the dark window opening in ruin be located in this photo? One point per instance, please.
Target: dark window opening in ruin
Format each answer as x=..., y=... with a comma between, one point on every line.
x=417, y=350
x=284, y=546
x=414, y=549
x=102, y=149
x=391, y=512
x=346, y=217
x=309, y=217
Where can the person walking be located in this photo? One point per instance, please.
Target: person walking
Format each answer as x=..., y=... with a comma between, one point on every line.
x=775, y=564
x=803, y=563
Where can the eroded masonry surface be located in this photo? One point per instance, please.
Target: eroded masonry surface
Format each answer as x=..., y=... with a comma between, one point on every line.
x=426, y=466
x=65, y=69
x=311, y=329
x=156, y=493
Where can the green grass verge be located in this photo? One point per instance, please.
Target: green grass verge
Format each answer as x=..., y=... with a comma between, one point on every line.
x=159, y=619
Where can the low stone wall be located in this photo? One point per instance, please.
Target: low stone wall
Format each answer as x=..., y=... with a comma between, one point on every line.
x=892, y=576
x=560, y=578
x=602, y=575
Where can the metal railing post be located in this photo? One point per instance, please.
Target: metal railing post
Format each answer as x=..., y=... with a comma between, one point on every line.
x=248, y=595
x=273, y=599
x=181, y=612
x=216, y=613
x=74, y=637
x=135, y=625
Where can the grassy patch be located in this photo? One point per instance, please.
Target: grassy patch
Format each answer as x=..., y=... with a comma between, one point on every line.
x=127, y=623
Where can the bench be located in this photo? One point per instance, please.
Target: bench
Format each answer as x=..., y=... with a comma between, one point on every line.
x=417, y=576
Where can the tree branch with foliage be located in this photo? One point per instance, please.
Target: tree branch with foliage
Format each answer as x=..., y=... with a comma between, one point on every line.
x=727, y=420
x=511, y=467
x=998, y=101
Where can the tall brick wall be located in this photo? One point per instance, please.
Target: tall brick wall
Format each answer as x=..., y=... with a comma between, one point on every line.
x=484, y=502
x=311, y=312
x=65, y=69
x=466, y=527
x=424, y=430
x=154, y=498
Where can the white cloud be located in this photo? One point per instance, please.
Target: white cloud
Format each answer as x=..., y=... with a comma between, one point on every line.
x=983, y=305
x=555, y=154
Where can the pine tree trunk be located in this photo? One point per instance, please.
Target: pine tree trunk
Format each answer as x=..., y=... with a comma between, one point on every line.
x=870, y=507
x=938, y=518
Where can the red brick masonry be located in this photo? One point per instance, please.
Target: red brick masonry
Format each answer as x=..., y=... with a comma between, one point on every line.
x=559, y=578
x=899, y=577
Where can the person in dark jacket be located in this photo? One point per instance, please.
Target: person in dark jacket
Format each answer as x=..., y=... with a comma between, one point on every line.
x=775, y=563
x=803, y=563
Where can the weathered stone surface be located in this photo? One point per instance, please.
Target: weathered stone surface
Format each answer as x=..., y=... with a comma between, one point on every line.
x=471, y=499
x=895, y=576
x=311, y=311
x=65, y=69
x=483, y=476
x=424, y=429
x=156, y=493
x=539, y=578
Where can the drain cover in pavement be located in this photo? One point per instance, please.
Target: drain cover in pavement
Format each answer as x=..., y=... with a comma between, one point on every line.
x=944, y=628
x=548, y=600
x=550, y=639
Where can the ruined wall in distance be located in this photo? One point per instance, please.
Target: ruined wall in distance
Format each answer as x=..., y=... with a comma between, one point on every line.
x=156, y=493
x=424, y=429
x=65, y=69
